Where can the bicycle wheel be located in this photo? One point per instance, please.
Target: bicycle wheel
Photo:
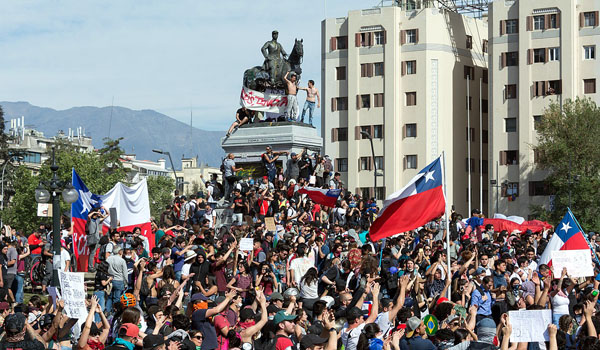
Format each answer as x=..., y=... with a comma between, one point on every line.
x=37, y=273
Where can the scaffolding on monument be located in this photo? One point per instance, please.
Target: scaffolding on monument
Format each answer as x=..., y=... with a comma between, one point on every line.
x=471, y=8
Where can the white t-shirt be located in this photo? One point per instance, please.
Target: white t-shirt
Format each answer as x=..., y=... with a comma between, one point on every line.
x=350, y=338
x=64, y=257
x=185, y=269
x=309, y=291
x=383, y=321
x=300, y=266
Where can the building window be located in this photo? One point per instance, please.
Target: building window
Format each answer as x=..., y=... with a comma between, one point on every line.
x=484, y=136
x=589, y=19
x=484, y=76
x=410, y=130
x=410, y=161
x=339, y=43
x=510, y=124
x=539, y=55
x=378, y=131
x=340, y=73
x=552, y=21
x=554, y=87
x=364, y=163
x=510, y=91
x=364, y=128
x=509, y=157
x=380, y=192
x=32, y=158
x=512, y=26
x=537, y=119
x=510, y=189
x=589, y=86
x=589, y=52
x=484, y=46
x=366, y=70
x=469, y=72
x=378, y=68
x=339, y=134
x=484, y=167
x=554, y=54
x=484, y=106
x=471, y=162
x=365, y=39
x=379, y=162
x=411, y=67
x=411, y=98
x=365, y=101
x=469, y=102
x=470, y=134
x=378, y=100
x=339, y=104
x=510, y=59
x=538, y=22
x=380, y=38
x=342, y=164
x=469, y=42
x=539, y=188
x=411, y=36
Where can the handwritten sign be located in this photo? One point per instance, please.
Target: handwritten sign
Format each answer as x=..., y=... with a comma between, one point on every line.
x=270, y=223
x=578, y=262
x=73, y=293
x=529, y=325
x=246, y=244
x=44, y=210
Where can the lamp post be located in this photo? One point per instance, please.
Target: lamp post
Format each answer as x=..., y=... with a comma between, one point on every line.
x=367, y=135
x=49, y=192
x=159, y=151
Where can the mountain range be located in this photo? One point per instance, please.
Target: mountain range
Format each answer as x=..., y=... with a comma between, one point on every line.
x=141, y=130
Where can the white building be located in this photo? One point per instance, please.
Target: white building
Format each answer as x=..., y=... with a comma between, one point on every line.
x=401, y=75
x=540, y=51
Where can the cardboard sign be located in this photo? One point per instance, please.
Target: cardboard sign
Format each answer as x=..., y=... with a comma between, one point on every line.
x=529, y=325
x=247, y=244
x=73, y=293
x=113, y=216
x=270, y=224
x=578, y=263
x=44, y=210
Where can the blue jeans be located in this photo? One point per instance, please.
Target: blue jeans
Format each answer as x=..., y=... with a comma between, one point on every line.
x=101, y=295
x=118, y=288
x=20, y=281
x=311, y=107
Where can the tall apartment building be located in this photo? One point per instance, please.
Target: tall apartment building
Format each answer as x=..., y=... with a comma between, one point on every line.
x=540, y=52
x=401, y=75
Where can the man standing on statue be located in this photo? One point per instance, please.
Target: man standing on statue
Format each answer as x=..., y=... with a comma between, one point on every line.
x=273, y=51
x=311, y=93
x=292, y=91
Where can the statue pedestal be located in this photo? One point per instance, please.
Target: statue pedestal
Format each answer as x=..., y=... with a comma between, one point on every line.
x=251, y=140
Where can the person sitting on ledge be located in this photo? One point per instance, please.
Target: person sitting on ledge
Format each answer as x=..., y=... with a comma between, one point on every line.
x=242, y=116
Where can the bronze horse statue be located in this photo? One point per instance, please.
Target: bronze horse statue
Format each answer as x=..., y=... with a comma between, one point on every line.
x=259, y=79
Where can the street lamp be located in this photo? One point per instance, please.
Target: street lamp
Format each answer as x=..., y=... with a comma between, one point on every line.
x=159, y=151
x=49, y=192
x=367, y=135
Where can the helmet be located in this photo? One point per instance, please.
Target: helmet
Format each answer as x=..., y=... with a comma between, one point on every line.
x=128, y=300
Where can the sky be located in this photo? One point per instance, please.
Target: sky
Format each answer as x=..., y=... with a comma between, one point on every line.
x=170, y=56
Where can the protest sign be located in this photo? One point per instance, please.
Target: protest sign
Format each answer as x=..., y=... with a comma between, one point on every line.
x=270, y=224
x=44, y=209
x=246, y=244
x=73, y=293
x=578, y=263
x=529, y=325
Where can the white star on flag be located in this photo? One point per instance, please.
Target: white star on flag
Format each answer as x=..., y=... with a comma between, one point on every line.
x=429, y=176
x=566, y=227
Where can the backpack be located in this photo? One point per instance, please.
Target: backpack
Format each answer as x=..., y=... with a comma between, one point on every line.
x=222, y=167
x=144, y=289
x=103, y=244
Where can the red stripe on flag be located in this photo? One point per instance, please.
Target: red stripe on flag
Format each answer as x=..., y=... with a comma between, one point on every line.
x=80, y=244
x=409, y=213
x=319, y=197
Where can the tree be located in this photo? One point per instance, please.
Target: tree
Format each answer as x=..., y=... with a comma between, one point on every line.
x=160, y=192
x=100, y=170
x=568, y=149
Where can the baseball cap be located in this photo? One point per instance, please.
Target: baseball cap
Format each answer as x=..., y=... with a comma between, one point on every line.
x=479, y=271
x=14, y=323
x=198, y=297
x=152, y=341
x=293, y=154
x=281, y=316
x=130, y=330
x=441, y=300
x=412, y=324
x=312, y=340
x=276, y=296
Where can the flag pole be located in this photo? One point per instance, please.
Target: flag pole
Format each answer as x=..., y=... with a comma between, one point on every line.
x=381, y=252
x=584, y=236
x=447, y=224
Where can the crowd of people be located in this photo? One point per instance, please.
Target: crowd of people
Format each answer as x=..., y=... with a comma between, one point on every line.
x=315, y=282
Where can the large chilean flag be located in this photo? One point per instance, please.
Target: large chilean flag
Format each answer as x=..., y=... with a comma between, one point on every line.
x=322, y=196
x=567, y=236
x=419, y=202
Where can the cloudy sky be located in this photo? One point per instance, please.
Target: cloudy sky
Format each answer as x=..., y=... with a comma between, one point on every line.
x=161, y=55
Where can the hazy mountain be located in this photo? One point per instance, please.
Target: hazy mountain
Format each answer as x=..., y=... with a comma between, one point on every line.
x=141, y=130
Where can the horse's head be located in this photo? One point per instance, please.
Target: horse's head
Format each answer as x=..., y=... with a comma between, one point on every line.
x=298, y=47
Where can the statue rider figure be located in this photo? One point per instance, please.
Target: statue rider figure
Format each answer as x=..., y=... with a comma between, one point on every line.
x=272, y=50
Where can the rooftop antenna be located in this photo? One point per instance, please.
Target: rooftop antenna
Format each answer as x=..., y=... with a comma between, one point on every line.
x=110, y=119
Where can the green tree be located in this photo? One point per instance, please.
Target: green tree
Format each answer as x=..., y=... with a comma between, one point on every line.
x=100, y=171
x=160, y=192
x=568, y=149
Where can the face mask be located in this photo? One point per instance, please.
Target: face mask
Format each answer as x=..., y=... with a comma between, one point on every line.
x=239, y=305
x=127, y=256
x=271, y=317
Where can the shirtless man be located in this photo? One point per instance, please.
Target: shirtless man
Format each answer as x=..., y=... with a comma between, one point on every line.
x=311, y=92
x=292, y=89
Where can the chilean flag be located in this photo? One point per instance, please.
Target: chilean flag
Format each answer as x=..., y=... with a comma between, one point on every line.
x=322, y=196
x=567, y=236
x=79, y=214
x=419, y=202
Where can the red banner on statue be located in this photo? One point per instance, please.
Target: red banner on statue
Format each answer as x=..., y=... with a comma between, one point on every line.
x=268, y=101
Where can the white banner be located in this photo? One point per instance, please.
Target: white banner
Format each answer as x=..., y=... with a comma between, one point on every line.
x=578, y=263
x=132, y=204
x=529, y=325
x=269, y=101
x=73, y=293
